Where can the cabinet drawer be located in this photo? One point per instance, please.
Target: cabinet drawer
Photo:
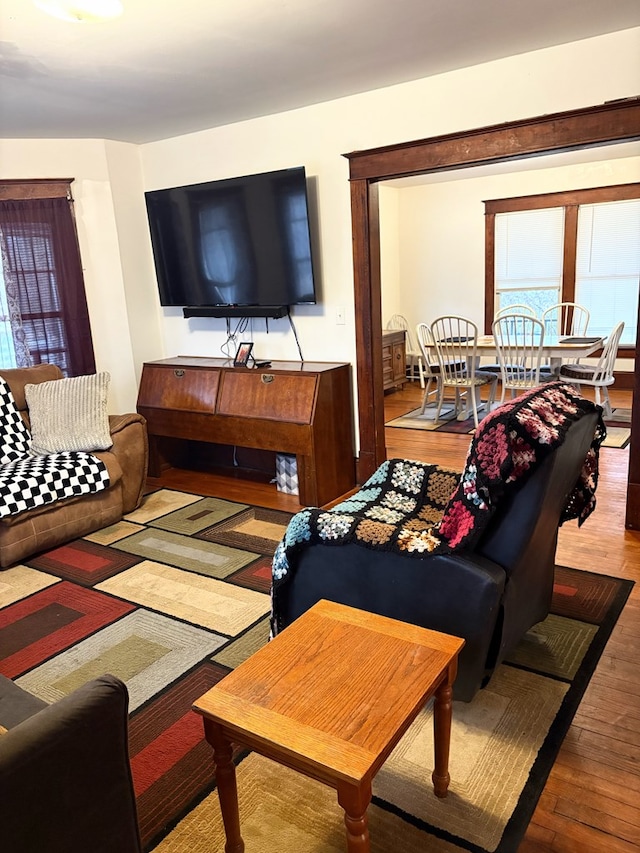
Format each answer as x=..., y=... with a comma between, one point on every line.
x=178, y=388
x=274, y=396
x=398, y=361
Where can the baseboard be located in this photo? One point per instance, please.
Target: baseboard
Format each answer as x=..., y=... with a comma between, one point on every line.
x=625, y=380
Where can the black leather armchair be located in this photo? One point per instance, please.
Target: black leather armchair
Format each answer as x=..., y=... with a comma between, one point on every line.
x=489, y=591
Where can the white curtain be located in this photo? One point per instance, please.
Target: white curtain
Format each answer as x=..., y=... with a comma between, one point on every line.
x=14, y=349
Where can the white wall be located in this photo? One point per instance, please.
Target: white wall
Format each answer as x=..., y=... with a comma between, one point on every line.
x=142, y=306
x=127, y=323
x=290, y=139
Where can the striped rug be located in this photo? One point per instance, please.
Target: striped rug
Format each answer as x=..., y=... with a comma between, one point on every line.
x=177, y=594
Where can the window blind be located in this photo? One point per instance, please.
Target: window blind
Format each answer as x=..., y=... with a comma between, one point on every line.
x=528, y=257
x=608, y=265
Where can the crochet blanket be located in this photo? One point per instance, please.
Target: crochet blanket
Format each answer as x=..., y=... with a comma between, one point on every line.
x=28, y=481
x=415, y=508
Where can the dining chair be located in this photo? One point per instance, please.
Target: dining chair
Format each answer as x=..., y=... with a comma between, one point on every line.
x=429, y=361
x=455, y=342
x=599, y=376
x=515, y=309
x=566, y=318
x=431, y=364
x=562, y=320
x=413, y=353
x=519, y=339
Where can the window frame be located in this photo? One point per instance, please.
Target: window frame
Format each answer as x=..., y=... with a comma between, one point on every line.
x=570, y=200
x=79, y=352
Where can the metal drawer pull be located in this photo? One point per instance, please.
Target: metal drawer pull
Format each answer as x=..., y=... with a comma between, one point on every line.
x=266, y=378
x=179, y=373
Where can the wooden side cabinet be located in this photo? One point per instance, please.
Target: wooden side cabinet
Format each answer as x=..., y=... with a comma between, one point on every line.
x=291, y=407
x=394, y=359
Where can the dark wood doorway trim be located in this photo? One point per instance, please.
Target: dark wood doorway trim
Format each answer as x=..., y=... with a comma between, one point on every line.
x=605, y=124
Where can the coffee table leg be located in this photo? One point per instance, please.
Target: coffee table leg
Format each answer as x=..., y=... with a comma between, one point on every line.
x=442, y=711
x=226, y=783
x=355, y=801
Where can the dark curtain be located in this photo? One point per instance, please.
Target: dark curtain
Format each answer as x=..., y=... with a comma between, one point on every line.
x=42, y=259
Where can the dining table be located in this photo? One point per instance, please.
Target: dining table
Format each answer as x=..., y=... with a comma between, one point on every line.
x=556, y=349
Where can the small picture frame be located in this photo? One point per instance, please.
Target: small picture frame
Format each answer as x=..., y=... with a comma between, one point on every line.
x=243, y=354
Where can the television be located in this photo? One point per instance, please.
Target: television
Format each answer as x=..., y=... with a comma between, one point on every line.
x=238, y=246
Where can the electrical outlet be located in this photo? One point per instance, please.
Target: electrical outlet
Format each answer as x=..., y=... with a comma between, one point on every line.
x=340, y=316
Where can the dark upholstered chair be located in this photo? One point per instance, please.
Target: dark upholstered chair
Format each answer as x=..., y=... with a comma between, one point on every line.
x=494, y=585
x=64, y=771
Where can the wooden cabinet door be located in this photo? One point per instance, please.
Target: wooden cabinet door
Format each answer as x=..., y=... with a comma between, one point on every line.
x=178, y=388
x=273, y=396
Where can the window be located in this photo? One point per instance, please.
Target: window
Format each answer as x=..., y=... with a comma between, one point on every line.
x=608, y=265
x=581, y=246
x=528, y=258
x=43, y=308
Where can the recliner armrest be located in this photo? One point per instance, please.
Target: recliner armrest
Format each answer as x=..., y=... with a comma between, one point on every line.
x=131, y=448
x=119, y=422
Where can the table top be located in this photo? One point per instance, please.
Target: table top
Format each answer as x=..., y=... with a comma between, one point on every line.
x=553, y=345
x=336, y=689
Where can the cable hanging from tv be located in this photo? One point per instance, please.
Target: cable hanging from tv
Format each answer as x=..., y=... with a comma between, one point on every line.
x=228, y=348
x=295, y=334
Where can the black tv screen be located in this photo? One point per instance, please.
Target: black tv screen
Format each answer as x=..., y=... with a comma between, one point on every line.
x=234, y=242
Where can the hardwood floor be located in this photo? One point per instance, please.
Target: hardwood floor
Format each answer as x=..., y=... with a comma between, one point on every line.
x=591, y=802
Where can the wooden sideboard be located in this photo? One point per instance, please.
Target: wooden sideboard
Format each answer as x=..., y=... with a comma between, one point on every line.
x=291, y=407
x=394, y=358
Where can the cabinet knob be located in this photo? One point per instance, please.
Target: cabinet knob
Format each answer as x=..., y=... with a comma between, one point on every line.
x=178, y=373
x=266, y=378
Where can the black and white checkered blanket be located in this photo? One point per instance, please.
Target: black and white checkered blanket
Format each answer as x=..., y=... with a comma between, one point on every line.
x=28, y=481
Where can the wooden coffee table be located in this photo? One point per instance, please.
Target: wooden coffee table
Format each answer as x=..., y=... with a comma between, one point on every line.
x=331, y=696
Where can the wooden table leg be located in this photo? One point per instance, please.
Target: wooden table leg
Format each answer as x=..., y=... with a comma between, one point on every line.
x=355, y=801
x=226, y=783
x=442, y=713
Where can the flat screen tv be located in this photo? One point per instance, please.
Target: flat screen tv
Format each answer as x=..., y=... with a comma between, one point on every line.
x=234, y=243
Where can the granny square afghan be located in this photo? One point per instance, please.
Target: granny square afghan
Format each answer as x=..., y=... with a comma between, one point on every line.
x=28, y=481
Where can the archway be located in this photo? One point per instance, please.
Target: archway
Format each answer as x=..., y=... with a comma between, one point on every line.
x=609, y=123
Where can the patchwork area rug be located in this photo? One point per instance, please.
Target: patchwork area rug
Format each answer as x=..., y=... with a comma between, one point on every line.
x=177, y=594
x=618, y=425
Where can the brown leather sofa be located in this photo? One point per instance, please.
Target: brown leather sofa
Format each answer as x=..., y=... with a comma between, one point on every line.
x=47, y=527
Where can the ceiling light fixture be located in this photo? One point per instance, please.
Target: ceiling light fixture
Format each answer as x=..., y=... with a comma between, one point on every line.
x=81, y=10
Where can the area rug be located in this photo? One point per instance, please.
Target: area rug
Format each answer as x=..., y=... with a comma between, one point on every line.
x=618, y=425
x=176, y=595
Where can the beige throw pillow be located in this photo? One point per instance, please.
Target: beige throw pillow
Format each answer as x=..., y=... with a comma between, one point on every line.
x=69, y=414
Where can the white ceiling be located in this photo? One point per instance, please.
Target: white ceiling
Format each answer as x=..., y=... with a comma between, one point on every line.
x=168, y=67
